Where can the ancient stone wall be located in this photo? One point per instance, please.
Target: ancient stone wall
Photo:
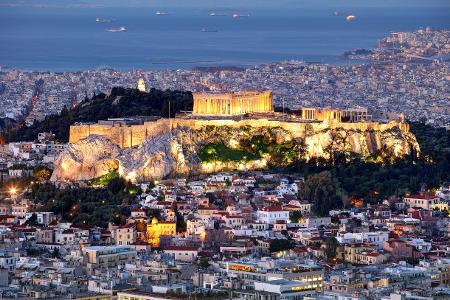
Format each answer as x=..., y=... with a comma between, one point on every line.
x=134, y=135
x=122, y=135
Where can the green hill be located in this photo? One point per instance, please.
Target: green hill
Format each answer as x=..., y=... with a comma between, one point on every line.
x=120, y=103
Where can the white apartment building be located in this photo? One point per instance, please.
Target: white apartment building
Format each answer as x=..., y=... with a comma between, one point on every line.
x=272, y=214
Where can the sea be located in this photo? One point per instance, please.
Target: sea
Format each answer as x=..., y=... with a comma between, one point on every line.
x=63, y=35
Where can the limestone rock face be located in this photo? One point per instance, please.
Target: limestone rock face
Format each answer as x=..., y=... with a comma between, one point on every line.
x=392, y=142
x=176, y=152
x=91, y=157
x=156, y=158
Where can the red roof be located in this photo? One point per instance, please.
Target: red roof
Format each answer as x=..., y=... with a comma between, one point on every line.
x=129, y=225
x=292, y=206
x=300, y=249
x=313, y=248
x=272, y=208
x=166, y=222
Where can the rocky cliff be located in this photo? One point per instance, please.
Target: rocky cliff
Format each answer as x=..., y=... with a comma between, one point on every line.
x=86, y=159
x=205, y=149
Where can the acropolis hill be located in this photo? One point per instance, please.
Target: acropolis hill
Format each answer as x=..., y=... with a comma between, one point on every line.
x=145, y=148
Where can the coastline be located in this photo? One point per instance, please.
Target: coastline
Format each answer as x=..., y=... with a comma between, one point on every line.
x=194, y=65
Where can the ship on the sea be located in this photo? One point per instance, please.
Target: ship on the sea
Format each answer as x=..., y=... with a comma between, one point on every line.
x=350, y=17
x=117, y=29
x=214, y=14
x=161, y=13
x=102, y=20
x=241, y=15
x=209, y=30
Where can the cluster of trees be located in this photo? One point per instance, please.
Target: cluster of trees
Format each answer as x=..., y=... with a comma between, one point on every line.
x=277, y=245
x=256, y=146
x=219, y=152
x=42, y=173
x=120, y=103
x=331, y=246
x=295, y=216
x=324, y=191
x=104, y=179
x=81, y=205
x=280, y=154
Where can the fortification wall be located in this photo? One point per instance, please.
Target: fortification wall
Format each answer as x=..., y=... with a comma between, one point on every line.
x=134, y=135
x=123, y=136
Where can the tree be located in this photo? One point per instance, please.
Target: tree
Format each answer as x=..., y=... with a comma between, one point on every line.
x=42, y=173
x=116, y=185
x=280, y=245
x=151, y=186
x=216, y=238
x=55, y=253
x=324, y=191
x=355, y=222
x=153, y=213
x=96, y=206
x=295, y=215
x=331, y=245
x=181, y=224
x=32, y=220
x=203, y=263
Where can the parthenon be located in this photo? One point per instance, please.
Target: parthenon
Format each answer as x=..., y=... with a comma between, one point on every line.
x=232, y=103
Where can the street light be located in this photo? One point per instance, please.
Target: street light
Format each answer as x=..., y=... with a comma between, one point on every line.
x=13, y=191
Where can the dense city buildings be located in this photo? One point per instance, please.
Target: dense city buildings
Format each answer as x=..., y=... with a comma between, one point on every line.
x=230, y=235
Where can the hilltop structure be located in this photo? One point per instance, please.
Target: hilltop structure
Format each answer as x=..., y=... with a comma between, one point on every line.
x=229, y=104
x=141, y=85
x=144, y=148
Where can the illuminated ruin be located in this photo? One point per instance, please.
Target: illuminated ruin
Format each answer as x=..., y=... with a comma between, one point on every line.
x=229, y=104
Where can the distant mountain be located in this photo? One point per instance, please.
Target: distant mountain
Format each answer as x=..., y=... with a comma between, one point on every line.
x=120, y=103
